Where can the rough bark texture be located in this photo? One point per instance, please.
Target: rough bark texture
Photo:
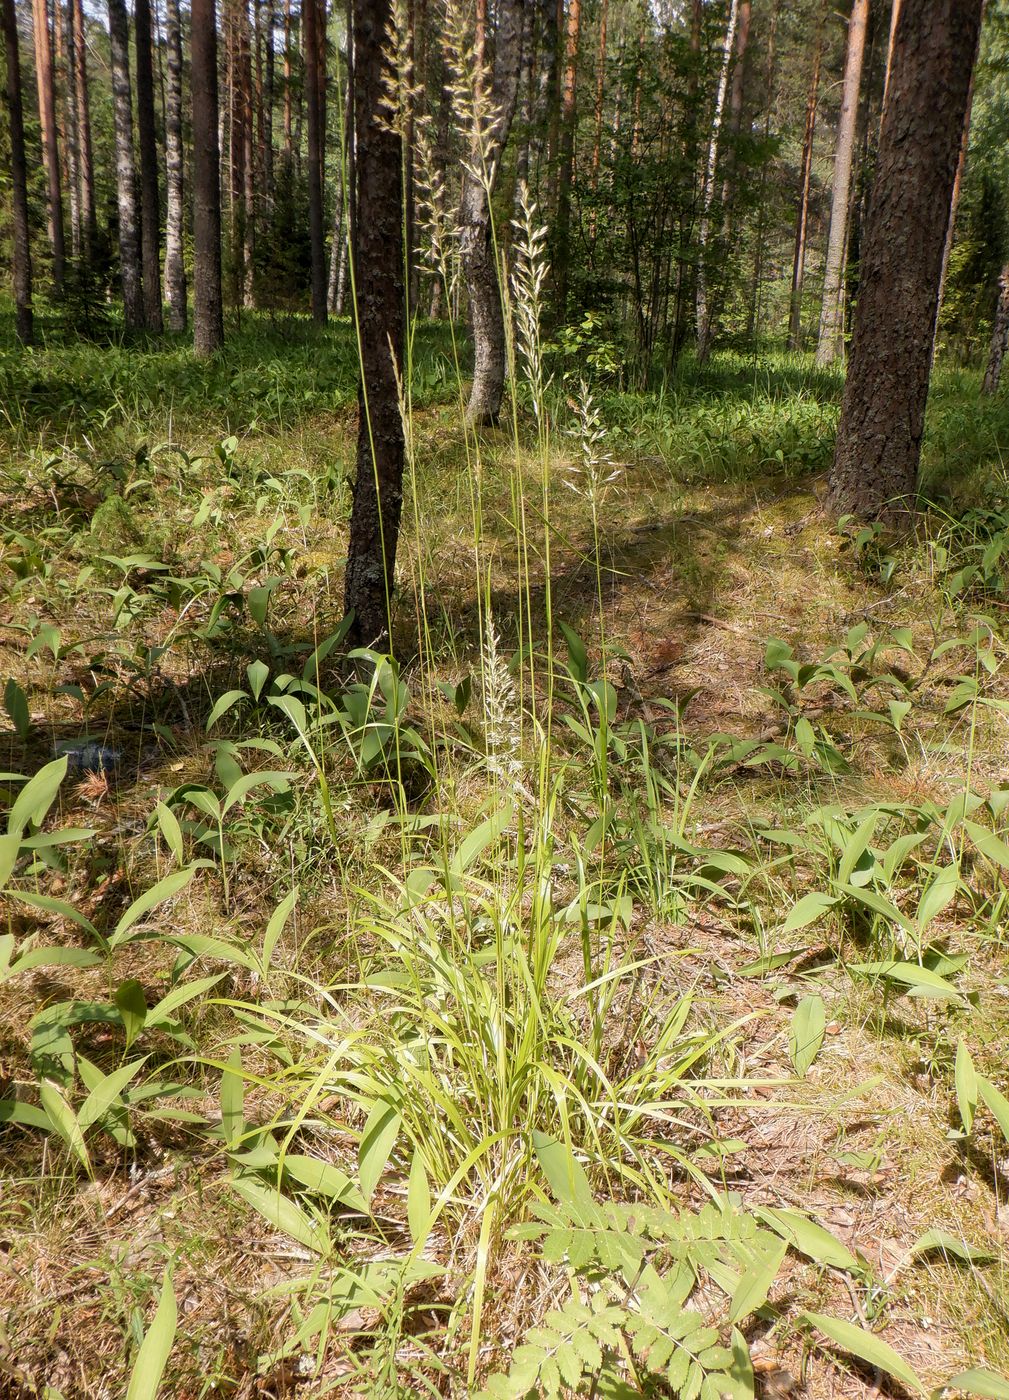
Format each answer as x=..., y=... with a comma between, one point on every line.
x=802, y=218
x=377, y=212
x=704, y=228
x=126, y=178
x=883, y=412
x=150, y=211
x=566, y=157
x=999, y=336
x=475, y=242
x=208, y=317
x=831, y=342
x=50, y=144
x=175, y=266
x=22, y=257
x=86, y=164
x=73, y=135
x=316, y=148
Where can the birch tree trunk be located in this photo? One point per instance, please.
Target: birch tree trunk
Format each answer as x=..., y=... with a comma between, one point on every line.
x=831, y=340
x=175, y=265
x=50, y=143
x=476, y=248
x=708, y=190
x=126, y=177
x=150, y=211
x=883, y=412
x=22, y=257
x=208, y=312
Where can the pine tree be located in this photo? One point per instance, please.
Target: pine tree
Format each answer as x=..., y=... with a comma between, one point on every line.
x=126, y=178
x=22, y=256
x=208, y=314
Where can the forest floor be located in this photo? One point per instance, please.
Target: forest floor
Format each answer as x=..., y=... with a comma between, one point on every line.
x=709, y=886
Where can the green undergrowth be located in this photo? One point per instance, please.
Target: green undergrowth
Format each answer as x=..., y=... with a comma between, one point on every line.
x=603, y=997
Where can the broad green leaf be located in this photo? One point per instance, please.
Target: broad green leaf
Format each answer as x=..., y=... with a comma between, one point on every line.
x=202, y=945
x=380, y=1133
x=940, y=892
x=418, y=1200
x=37, y=796
x=984, y=1384
x=168, y=824
x=223, y=704
x=25, y=1114
x=808, y=1237
x=805, y=1034
x=178, y=996
x=275, y=927
x=996, y=1103
x=566, y=1176
x=276, y=779
x=132, y=1006
x=920, y=981
x=325, y=1180
x=757, y=1279
x=165, y=889
x=10, y=849
x=149, y=1367
x=105, y=1093
x=52, y=905
x=965, y=1083
x=233, y=1099
x=64, y=1120
x=480, y=838
x=806, y=910
x=866, y=1346
x=54, y=957
x=283, y=1214
x=942, y=1242
x=990, y=846
x=258, y=673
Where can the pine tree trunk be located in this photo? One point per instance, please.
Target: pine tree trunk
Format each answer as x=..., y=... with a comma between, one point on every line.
x=831, y=341
x=22, y=257
x=566, y=154
x=126, y=177
x=73, y=134
x=314, y=81
x=883, y=412
x=704, y=229
x=150, y=211
x=175, y=263
x=248, y=160
x=288, y=128
x=999, y=336
x=87, y=169
x=802, y=219
x=954, y=203
x=476, y=249
x=208, y=314
x=268, y=96
x=50, y=144
x=377, y=213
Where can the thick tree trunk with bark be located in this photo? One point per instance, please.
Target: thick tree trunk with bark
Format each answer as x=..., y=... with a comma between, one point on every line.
x=566, y=157
x=126, y=177
x=86, y=160
x=831, y=342
x=175, y=265
x=72, y=133
x=999, y=336
x=50, y=144
x=377, y=212
x=22, y=257
x=208, y=316
x=150, y=211
x=314, y=81
x=802, y=218
x=476, y=246
x=883, y=411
